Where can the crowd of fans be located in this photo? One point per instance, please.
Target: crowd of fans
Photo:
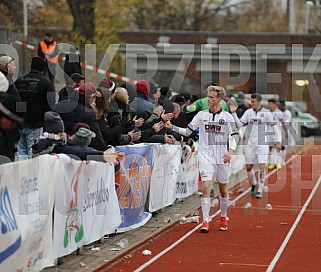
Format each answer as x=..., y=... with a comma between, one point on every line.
x=84, y=120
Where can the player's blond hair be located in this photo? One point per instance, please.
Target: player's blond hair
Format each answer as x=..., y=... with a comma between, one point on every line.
x=218, y=89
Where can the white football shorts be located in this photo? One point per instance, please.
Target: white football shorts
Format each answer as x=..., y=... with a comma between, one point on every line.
x=215, y=172
x=256, y=154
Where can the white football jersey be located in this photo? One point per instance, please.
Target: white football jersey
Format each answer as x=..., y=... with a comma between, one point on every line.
x=258, y=126
x=216, y=132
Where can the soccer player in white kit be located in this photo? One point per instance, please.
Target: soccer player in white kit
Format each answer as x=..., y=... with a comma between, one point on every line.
x=256, y=149
x=218, y=137
x=275, y=155
x=287, y=116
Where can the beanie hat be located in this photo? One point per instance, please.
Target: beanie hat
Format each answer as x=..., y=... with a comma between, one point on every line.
x=240, y=95
x=232, y=100
x=168, y=106
x=82, y=137
x=153, y=87
x=38, y=64
x=8, y=108
x=108, y=84
x=143, y=87
x=53, y=122
x=4, y=83
x=86, y=89
x=4, y=60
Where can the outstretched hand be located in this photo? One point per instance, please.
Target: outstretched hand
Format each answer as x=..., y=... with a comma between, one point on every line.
x=232, y=107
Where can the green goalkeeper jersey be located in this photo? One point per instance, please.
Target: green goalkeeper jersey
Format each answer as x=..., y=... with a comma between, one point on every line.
x=201, y=104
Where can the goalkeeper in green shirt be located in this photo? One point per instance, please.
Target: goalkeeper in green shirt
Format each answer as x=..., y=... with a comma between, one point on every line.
x=202, y=104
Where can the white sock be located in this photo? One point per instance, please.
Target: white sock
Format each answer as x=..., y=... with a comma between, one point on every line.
x=283, y=152
x=206, y=206
x=251, y=176
x=261, y=180
x=279, y=157
x=223, y=203
x=273, y=156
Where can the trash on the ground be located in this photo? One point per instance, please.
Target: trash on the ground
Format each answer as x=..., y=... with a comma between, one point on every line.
x=192, y=219
x=95, y=249
x=167, y=219
x=147, y=252
x=259, y=226
x=214, y=202
x=82, y=264
x=248, y=205
x=123, y=243
x=241, y=190
x=265, y=188
x=195, y=213
x=177, y=214
x=115, y=249
x=182, y=220
x=283, y=223
x=268, y=206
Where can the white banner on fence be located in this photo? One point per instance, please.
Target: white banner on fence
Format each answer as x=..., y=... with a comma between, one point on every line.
x=187, y=180
x=86, y=204
x=26, y=204
x=166, y=161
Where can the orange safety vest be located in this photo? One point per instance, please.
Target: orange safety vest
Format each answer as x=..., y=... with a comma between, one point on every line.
x=49, y=50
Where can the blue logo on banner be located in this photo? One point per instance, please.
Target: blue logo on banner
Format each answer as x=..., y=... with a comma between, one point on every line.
x=8, y=224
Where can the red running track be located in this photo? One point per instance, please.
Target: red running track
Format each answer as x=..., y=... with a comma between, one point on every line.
x=286, y=238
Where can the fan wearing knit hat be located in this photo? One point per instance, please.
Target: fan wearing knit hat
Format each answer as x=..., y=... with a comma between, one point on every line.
x=53, y=123
x=53, y=141
x=82, y=137
x=141, y=105
x=108, y=84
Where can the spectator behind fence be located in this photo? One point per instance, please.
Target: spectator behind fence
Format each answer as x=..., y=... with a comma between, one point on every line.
x=38, y=95
x=154, y=92
x=242, y=106
x=78, y=109
x=54, y=140
x=71, y=83
x=165, y=93
x=142, y=107
x=8, y=68
x=110, y=124
x=10, y=116
x=82, y=138
x=72, y=63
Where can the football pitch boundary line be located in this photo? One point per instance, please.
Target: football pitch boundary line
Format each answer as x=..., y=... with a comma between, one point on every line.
x=152, y=260
x=295, y=224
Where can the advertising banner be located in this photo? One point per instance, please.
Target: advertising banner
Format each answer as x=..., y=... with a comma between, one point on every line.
x=86, y=206
x=132, y=179
x=27, y=190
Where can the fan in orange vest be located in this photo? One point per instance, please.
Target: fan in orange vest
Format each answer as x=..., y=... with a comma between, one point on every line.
x=48, y=50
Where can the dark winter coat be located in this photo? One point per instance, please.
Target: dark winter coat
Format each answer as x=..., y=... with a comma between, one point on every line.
x=76, y=110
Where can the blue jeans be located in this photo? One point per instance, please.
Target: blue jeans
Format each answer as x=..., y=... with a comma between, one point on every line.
x=27, y=138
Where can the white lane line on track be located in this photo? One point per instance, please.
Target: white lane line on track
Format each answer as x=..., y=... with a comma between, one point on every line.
x=296, y=222
x=197, y=227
